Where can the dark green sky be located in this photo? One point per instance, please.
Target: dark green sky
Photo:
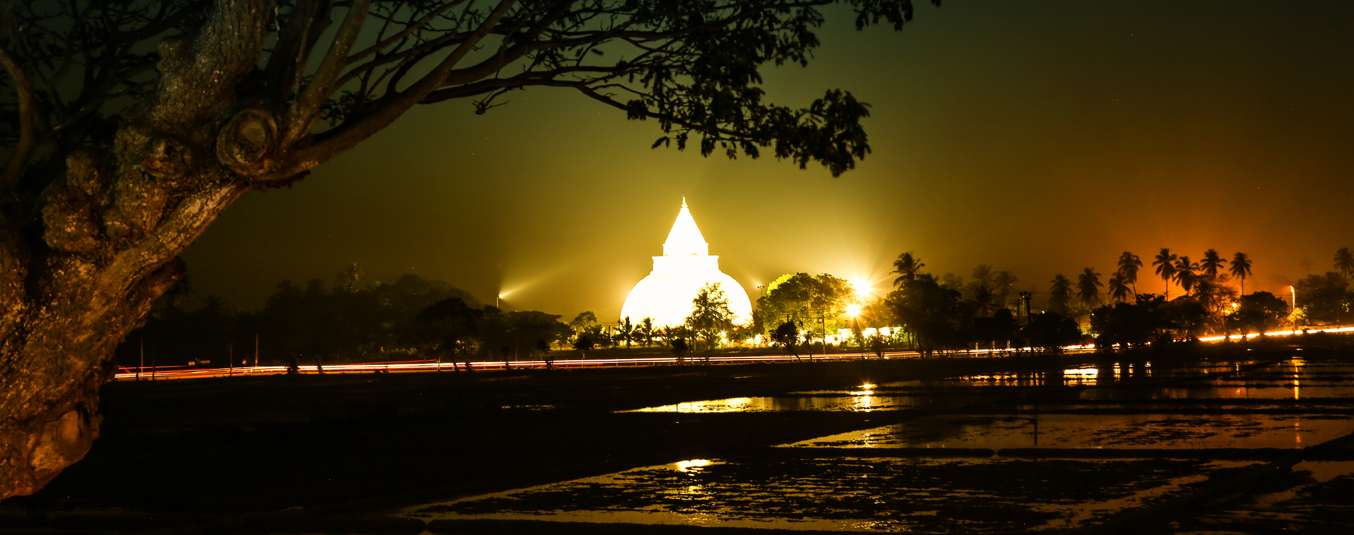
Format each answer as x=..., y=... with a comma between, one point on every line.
x=1039, y=137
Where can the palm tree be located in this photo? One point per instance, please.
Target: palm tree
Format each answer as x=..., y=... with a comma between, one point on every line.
x=1344, y=262
x=1241, y=268
x=1118, y=288
x=1186, y=273
x=1059, y=294
x=983, y=275
x=982, y=296
x=1128, y=267
x=1165, y=263
x=1088, y=287
x=1212, y=263
x=625, y=332
x=1005, y=286
x=646, y=331
x=907, y=267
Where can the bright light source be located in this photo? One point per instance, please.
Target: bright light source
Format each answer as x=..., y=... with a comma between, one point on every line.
x=862, y=288
x=852, y=310
x=686, y=265
x=687, y=466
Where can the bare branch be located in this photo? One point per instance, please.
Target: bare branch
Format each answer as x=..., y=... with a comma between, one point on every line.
x=410, y=29
x=301, y=117
x=388, y=108
x=284, y=65
x=420, y=51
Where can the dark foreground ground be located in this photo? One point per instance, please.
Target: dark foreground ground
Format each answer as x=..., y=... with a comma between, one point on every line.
x=359, y=453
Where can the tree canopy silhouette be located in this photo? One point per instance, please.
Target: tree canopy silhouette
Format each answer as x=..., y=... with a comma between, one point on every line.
x=1186, y=273
x=906, y=266
x=710, y=314
x=1241, y=268
x=1088, y=287
x=1129, y=264
x=1211, y=263
x=1060, y=294
x=1344, y=262
x=1118, y=288
x=1165, y=268
x=131, y=125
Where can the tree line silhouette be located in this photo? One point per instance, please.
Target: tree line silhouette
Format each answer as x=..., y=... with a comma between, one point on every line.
x=938, y=313
x=417, y=318
x=412, y=318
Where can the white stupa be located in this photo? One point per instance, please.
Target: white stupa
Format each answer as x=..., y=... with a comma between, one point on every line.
x=686, y=265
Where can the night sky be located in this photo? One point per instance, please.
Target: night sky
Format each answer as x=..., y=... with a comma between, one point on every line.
x=1037, y=137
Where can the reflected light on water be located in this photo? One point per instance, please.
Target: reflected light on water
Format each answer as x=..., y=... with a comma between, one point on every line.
x=688, y=466
x=864, y=400
x=861, y=400
x=1080, y=375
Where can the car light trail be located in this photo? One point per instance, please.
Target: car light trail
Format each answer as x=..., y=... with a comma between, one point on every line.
x=184, y=372
x=1308, y=330
x=181, y=372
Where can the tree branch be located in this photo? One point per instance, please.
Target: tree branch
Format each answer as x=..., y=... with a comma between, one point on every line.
x=28, y=122
x=413, y=27
x=303, y=113
x=284, y=65
x=419, y=52
x=388, y=108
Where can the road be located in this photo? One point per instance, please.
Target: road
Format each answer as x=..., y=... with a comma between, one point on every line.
x=186, y=372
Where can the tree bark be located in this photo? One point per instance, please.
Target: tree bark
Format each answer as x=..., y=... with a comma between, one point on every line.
x=84, y=272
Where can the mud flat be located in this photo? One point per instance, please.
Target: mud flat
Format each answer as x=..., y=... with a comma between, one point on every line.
x=1083, y=443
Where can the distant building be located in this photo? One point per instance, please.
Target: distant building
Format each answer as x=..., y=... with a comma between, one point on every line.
x=665, y=295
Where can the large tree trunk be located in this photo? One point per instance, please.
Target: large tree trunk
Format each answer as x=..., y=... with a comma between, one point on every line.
x=78, y=276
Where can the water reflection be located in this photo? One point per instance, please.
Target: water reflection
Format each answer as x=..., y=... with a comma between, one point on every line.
x=1243, y=391
x=694, y=464
x=862, y=401
x=846, y=494
x=1032, y=430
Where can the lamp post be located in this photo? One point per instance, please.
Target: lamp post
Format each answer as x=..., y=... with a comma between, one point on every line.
x=1294, y=291
x=1025, y=296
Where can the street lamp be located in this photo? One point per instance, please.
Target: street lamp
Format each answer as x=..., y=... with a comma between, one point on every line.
x=1295, y=296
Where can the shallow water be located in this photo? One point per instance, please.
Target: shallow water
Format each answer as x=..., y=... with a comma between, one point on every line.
x=851, y=403
x=1314, y=497
x=1208, y=406
x=848, y=494
x=1164, y=431
x=1235, y=390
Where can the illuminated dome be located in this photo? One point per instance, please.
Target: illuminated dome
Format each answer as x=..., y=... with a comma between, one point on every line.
x=686, y=265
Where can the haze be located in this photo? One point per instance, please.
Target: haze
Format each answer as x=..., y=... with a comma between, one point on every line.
x=1037, y=137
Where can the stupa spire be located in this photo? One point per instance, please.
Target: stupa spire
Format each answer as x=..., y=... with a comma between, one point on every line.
x=685, y=237
x=678, y=276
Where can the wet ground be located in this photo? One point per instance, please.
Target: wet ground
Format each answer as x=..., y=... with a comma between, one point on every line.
x=1221, y=440
x=1090, y=447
